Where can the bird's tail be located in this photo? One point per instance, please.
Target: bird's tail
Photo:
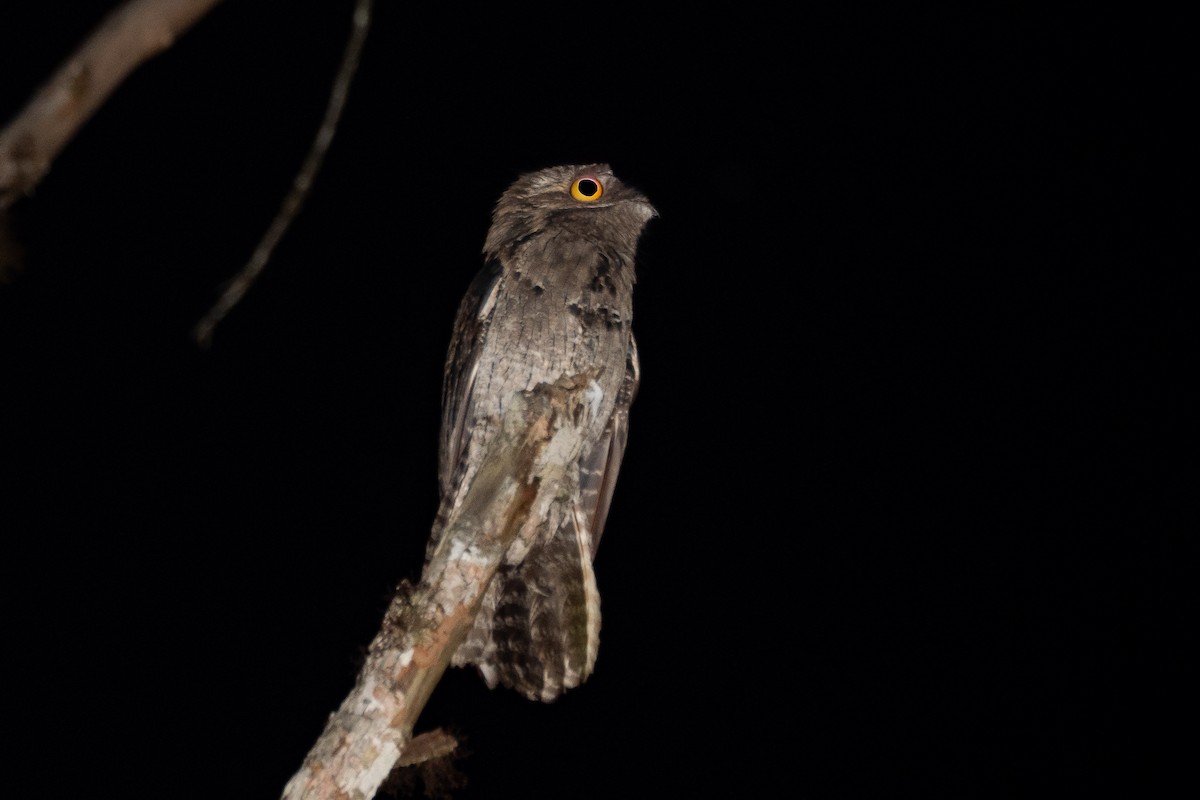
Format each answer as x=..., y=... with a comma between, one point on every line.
x=538, y=629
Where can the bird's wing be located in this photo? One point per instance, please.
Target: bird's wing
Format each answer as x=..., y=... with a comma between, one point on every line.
x=538, y=629
x=470, y=326
x=598, y=470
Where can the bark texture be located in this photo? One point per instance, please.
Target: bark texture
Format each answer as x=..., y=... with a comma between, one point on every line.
x=127, y=37
x=525, y=472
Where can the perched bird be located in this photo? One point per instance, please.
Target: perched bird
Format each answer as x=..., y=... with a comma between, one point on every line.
x=554, y=298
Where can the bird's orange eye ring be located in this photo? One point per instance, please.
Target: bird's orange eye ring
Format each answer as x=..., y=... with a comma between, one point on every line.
x=587, y=189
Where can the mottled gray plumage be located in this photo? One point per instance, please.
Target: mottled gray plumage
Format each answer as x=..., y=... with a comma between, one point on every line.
x=555, y=298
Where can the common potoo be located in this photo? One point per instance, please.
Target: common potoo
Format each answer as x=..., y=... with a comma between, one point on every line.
x=555, y=298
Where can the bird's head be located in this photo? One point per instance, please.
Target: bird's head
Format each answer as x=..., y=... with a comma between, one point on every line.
x=587, y=198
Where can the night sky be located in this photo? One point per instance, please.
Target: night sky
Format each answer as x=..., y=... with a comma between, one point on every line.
x=909, y=497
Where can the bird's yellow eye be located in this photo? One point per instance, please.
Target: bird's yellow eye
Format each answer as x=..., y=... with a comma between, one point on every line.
x=586, y=189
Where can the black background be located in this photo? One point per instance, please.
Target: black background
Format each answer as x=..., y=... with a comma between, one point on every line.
x=904, y=500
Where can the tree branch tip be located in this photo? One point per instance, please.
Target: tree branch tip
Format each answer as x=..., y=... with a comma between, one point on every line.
x=427, y=747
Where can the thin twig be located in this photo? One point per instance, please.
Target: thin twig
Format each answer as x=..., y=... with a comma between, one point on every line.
x=127, y=37
x=241, y=283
